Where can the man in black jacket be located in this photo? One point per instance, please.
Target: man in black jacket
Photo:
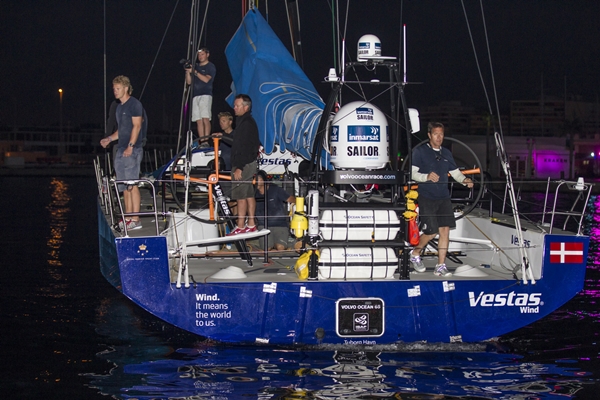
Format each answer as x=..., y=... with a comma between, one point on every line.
x=243, y=164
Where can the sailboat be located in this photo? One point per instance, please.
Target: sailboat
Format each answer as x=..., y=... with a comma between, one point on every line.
x=349, y=282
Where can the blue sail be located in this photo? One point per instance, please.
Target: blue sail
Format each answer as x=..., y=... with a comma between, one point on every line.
x=285, y=104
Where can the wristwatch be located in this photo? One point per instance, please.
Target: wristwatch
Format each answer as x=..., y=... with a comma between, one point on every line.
x=131, y=145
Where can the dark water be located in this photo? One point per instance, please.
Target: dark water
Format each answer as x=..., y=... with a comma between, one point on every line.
x=67, y=334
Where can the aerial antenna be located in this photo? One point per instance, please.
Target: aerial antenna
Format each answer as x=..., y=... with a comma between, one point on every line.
x=404, y=51
x=343, y=58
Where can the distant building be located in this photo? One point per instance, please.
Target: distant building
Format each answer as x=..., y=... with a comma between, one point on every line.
x=571, y=132
x=583, y=119
x=529, y=158
x=536, y=118
x=455, y=117
x=482, y=124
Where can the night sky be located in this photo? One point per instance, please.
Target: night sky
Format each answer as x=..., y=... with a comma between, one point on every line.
x=47, y=45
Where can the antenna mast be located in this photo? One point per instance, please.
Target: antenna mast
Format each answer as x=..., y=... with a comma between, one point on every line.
x=404, y=52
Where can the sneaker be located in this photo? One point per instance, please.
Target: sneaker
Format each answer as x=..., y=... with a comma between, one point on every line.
x=133, y=225
x=236, y=231
x=249, y=229
x=122, y=224
x=441, y=270
x=417, y=263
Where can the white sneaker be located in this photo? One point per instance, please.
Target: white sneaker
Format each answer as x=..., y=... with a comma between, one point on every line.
x=441, y=270
x=417, y=263
x=133, y=225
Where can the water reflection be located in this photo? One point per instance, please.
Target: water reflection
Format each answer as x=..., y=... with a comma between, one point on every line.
x=58, y=210
x=209, y=371
x=151, y=360
x=592, y=225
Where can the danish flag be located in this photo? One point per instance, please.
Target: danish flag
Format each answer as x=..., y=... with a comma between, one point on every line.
x=566, y=253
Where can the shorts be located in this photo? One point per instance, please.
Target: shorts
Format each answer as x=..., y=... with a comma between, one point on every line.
x=435, y=213
x=201, y=107
x=128, y=168
x=279, y=234
x=244, y=189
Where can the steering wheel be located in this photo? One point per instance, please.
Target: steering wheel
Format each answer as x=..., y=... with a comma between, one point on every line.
x=465, y=161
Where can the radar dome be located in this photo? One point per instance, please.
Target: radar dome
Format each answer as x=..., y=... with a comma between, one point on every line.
x=368, y=46
x=359, y=137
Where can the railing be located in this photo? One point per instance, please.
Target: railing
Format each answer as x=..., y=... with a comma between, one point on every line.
x=109, y=187
x=584, y=190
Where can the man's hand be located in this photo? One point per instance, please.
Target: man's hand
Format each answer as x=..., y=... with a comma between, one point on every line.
x=433, y=177
x=468, y=182
x=128, y=152
x=237, y=174
x=105, y=142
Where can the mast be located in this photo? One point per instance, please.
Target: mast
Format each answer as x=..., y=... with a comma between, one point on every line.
x=105, y=97
x=293, y=14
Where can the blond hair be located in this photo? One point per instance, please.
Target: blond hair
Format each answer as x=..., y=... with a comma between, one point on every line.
x=225, y=114
x=123, y=80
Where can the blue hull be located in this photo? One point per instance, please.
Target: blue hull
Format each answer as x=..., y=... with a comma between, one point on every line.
x=313, y=312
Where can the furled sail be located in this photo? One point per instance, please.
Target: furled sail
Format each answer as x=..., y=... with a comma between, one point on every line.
x=285, y=104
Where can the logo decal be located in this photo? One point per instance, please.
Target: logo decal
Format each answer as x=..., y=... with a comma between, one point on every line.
x=142, y=250
x=566, y=252
x=364, y=133
x=361, y=322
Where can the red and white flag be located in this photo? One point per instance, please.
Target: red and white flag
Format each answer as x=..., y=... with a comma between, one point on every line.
x=566, y=253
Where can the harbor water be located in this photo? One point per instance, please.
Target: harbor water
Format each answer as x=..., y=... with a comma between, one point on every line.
x=67, y=334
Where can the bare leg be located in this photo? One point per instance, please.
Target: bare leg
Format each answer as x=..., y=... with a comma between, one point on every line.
x=242, y=207
x=136, y=200
x=132, y=200
x=128, y=200
x=205, y=127
x=251, y=211
x=423, y=240
x=200, y=129
x=443, y=243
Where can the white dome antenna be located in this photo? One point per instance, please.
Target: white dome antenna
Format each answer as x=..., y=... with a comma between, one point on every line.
x=369, y=49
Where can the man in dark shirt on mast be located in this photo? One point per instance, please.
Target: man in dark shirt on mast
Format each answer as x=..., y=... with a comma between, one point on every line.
x=202, y=75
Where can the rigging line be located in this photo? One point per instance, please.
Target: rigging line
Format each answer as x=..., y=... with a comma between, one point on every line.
x=185, y=94
x=188, y=93
x=158, y=51
x=500, y=249
x=202, y=29
x=487, y=97
x=287, y=14
x=487, y=42
x=346, y=19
